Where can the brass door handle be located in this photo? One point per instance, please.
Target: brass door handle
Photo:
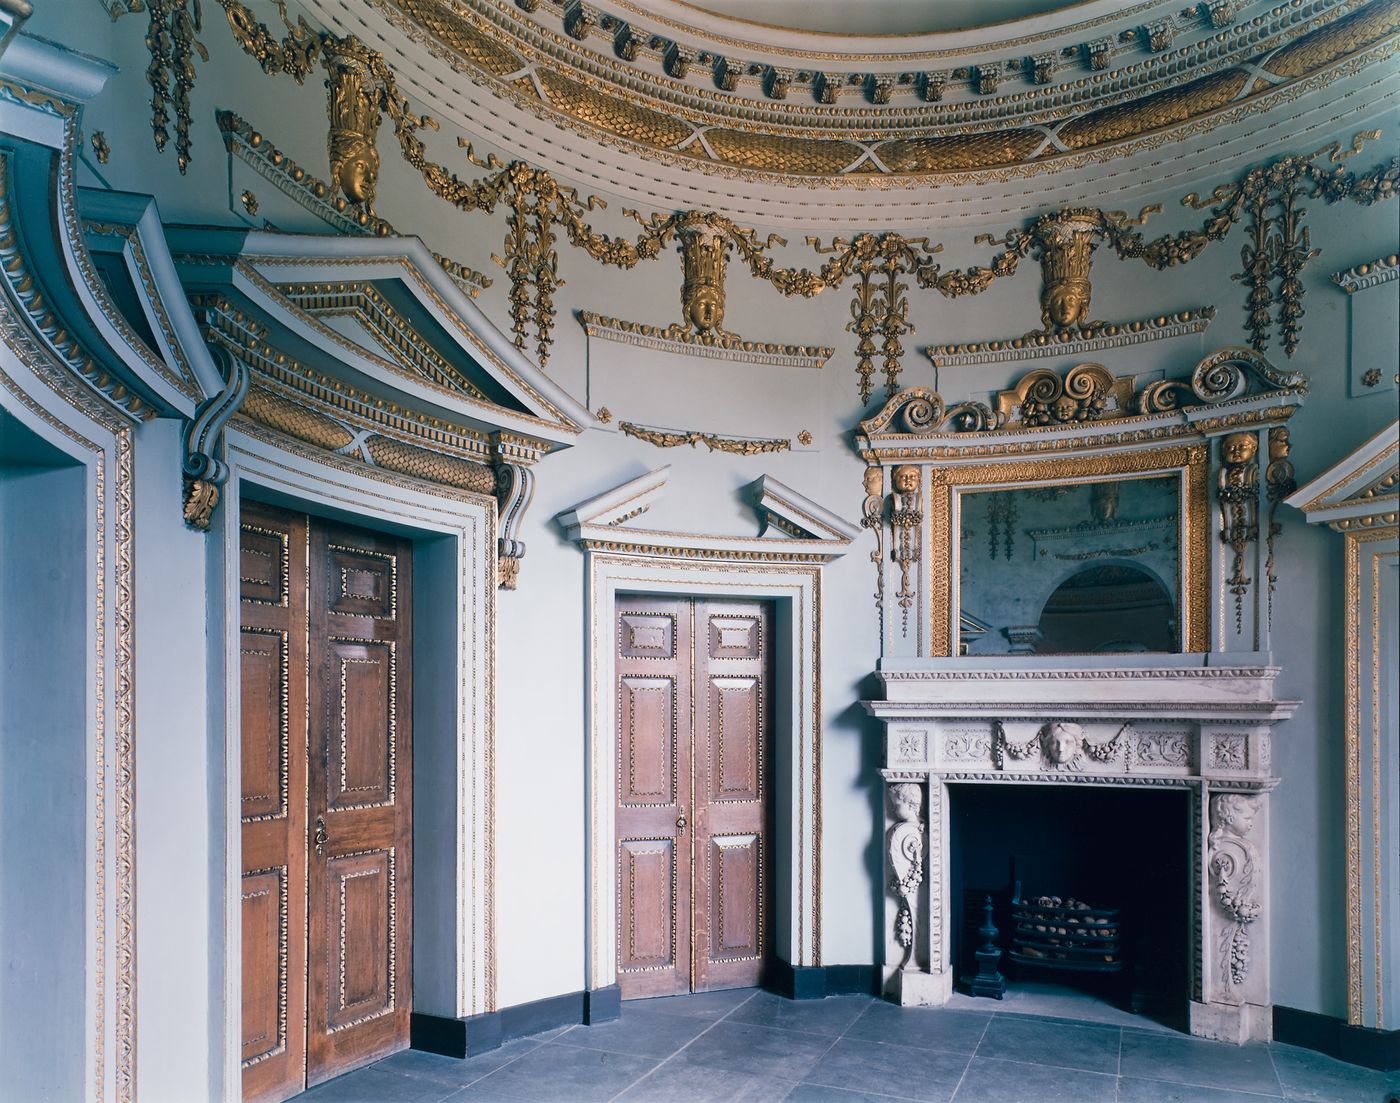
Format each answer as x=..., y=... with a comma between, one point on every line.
x=318, y=838
x=681, y=822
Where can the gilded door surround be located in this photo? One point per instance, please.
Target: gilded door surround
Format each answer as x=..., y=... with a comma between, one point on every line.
x=787, y=571
x=1359, y=496
x=289, y=473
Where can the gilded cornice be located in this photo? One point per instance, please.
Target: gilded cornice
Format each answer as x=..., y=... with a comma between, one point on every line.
x=1039, y=127
x=1371, y=274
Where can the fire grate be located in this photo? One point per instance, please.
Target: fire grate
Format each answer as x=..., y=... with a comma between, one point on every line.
x=1057, y=933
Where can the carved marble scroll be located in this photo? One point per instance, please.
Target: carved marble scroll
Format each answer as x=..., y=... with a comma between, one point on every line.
x=904, y=844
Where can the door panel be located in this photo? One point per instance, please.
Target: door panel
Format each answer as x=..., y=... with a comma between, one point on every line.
x=733, y=733
x=272, y=571
x=693, y=817
x=654, y=765
x=360, y=799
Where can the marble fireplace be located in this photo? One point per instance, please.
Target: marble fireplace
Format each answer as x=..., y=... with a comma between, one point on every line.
x=1176, y=722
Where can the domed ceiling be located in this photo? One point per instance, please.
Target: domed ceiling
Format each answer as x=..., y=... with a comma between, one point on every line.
x=686, y=104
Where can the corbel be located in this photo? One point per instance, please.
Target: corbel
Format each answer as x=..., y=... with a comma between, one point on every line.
x=881, y=86
x=777, y=81
x=203, y=467
x=828, y=86
x=728, y=70
x=931, y=86
x=1280, y=481
x=1042, y=68
x=906, y=519
x=512, y=458
x=579, y=20
x=677, y=60
x=986, y=79
x=872, y=517
x=1238, y=496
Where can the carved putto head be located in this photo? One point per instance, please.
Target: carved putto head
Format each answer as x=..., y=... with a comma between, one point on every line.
x=1239, y=448
x=906, y=801
x=905, y=479
x=1232, y=814
x=874, y=481
x=1062, y=741
x=1279, y=445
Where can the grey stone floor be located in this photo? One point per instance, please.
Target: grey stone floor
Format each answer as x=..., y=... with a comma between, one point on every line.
x=754, y=1047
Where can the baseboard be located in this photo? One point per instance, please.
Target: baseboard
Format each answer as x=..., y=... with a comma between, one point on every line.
x=1357, y=1045
x=815, y=982
x=482, y=1033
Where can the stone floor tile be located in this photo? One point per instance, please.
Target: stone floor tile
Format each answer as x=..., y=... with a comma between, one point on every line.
x=372, y=1085
x=821, y=1093
x=1134, y=1090
x=678, y=1083
x=639, y=1034
x=954, y=1031
x=429, y=1066
x=1313, y=1076
x=755, y=1050
x=554, y=1073
x=1182, y=1060
x=698, y=1005
x=989, y=1080
x=1059, y=1045
x=903, y=1072
x=830, y=1017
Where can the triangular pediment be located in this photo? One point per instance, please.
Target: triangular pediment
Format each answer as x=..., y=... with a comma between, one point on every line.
x=379, y=315
x=1358, y=491
x=792, y=526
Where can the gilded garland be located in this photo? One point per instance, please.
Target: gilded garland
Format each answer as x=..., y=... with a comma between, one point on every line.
x=362, y=91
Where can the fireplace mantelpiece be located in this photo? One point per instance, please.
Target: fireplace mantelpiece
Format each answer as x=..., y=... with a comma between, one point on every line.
x=1179, y=722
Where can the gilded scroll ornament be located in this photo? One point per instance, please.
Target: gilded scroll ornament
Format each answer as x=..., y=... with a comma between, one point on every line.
x=906, y=518
x=1238, y=495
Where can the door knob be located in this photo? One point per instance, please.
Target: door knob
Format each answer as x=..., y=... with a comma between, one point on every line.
x=680, y=822
x=318, y=838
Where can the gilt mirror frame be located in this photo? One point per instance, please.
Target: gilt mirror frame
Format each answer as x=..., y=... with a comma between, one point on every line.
x=1188, y=463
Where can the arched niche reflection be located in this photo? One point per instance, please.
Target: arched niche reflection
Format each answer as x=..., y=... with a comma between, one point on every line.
x=1108, y=608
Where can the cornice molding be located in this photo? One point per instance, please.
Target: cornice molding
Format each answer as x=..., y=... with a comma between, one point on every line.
x=1359, y=491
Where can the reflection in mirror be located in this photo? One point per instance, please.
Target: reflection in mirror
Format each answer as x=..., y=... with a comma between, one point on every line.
x=1065, y=569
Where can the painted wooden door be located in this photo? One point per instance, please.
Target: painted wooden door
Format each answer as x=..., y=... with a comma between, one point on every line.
x=272, y=587
x=360, y=799
x=693, y=809
x=326, y=676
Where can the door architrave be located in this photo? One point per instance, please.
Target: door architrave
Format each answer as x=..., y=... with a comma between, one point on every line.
x=455, y=537
x=795, y=590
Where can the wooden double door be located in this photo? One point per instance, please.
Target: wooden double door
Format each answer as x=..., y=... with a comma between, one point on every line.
x=327, y=780
x=694, y=805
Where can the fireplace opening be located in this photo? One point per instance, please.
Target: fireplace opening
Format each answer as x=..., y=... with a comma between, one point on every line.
x=1102, y=916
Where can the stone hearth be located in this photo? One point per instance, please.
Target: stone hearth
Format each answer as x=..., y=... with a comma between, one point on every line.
x=1179, y=723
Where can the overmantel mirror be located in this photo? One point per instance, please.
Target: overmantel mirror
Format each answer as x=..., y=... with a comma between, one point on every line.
x=1081, y=513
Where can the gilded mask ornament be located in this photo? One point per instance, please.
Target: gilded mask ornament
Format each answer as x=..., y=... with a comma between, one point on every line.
x=703, y=253
x=352, y=104
x=1066, y=244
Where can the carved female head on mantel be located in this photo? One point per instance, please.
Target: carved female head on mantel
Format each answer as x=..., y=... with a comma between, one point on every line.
x=906, y=801
x=1062, y=741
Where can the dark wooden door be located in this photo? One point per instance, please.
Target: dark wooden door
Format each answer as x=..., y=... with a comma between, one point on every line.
x=733, y=761
x=694, y=709
x=360, y=878
x=654, y=670
x=272, y=586
x=326, y=677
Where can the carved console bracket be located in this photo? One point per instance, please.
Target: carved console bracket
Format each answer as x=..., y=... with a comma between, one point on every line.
x=203, y=467
x=515, y=486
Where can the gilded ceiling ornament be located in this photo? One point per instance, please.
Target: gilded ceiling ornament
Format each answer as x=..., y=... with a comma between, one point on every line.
x=1238, y=496
x=172, y=39
x=353, y=95
x=880, y=307
x=674, y=438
